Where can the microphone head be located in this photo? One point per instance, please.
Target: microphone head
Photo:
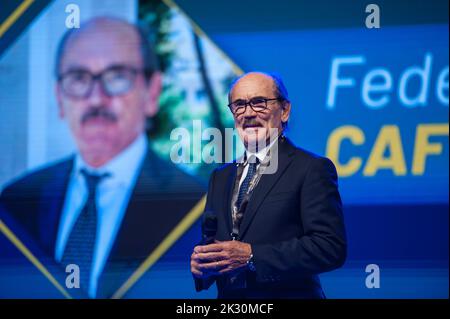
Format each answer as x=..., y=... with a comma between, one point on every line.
x=209, y=225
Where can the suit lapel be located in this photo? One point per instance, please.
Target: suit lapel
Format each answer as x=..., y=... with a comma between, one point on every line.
x=51, y=206
x=49, y=218
x=266, y=183
x=229, y=187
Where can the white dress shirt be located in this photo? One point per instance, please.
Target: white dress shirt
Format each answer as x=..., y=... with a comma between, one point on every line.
x=260, y=155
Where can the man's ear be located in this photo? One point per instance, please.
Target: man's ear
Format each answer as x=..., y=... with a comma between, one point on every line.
x=154, y=91
x=285, y=111
x=59, y=100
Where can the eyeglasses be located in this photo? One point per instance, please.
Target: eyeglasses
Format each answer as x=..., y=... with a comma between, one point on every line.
x=115, y=80
x=258, y=104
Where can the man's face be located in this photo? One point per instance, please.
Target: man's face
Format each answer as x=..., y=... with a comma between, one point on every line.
x=254, y=127
x=104, y=124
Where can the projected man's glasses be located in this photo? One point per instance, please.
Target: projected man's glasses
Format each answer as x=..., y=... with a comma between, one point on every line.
x=258, y=104
x=115, y=80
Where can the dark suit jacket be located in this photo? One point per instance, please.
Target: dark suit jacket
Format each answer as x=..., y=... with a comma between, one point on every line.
x=293, y=222
x=161, y=198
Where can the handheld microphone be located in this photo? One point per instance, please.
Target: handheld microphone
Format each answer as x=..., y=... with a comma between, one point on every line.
x=209, y=227
x=209, y=230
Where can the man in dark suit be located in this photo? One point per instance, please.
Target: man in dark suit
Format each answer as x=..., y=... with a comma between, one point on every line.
x=110, y=205
x=276, y=229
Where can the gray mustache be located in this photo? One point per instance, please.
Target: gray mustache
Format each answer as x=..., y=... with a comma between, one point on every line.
x=100, y=112
x=251, y=122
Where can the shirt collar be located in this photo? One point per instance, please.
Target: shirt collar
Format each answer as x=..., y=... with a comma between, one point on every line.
x=260, y=154
x=119, y=168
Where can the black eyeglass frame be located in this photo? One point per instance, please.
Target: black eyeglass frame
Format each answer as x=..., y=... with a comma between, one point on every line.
x=134, y=71
x=249, y=102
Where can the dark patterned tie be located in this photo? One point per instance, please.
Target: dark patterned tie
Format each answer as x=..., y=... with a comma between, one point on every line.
x=80, y=245
x=253, y=163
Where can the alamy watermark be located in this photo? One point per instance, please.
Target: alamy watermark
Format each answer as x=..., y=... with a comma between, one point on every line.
x=373, y=279
x=73, y=277
x=73, y=17
x=373, y=19
x=188, y=147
